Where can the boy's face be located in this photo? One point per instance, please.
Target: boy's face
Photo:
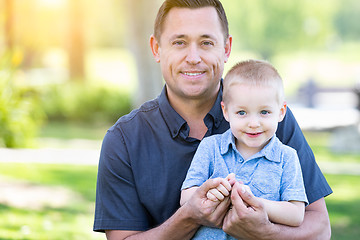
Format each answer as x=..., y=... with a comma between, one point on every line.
x=253, y=114
x=192, y=52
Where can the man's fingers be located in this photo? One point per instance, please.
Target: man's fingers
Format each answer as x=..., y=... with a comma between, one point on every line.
x=209, y=184
x=236, y=199
x=248, y=197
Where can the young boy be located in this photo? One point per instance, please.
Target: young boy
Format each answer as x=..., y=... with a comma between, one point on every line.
x=253, y=104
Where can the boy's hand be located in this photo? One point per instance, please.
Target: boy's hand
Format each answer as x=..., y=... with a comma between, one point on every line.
x=223, y=190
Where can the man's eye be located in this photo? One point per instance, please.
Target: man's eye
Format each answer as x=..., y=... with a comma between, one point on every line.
x=207, y=43
x=242, y=113
x=178, y=43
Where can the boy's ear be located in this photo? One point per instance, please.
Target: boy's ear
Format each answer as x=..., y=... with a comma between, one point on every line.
x=155, y=48
x=282, y=111
x=224, y=110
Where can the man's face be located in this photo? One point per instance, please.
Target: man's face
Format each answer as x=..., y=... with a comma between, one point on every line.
x=192, y=52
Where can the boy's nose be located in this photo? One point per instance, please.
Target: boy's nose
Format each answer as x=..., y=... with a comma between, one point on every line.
x=254, y=122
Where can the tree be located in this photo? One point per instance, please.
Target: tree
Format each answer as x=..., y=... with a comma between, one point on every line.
x=9, y=38
x=141, y=18
x=347, y=20
x=269, y=27
x=77, y=42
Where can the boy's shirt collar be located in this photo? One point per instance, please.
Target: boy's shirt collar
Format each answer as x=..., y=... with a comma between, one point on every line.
x=269, y=152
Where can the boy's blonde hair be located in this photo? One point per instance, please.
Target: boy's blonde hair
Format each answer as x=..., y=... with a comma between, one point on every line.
x=255, y=73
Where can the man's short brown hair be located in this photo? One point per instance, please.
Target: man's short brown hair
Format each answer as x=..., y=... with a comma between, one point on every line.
x=192, y=4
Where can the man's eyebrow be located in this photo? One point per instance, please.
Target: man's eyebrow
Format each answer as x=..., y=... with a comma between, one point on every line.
x=208, y=36
x=175, y=36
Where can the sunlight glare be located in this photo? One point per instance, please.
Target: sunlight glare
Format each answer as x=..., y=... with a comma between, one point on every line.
x=52, y=3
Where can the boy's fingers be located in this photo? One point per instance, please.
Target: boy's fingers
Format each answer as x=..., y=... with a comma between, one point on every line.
x=218, y=195
x=231, y=178
x=224, y=190
x=211, y=196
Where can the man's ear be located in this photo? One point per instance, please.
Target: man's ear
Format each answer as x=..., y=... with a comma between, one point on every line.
x=224, y=110
x=228, y=45
x=282, y=112
x=155, y=48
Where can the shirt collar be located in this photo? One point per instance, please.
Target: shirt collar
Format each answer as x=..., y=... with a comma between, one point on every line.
x=175, y=122
x=216, y=111
x=269, y=152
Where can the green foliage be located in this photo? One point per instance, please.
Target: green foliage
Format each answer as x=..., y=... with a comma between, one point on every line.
x=269, y=27
x=347, y=20
x=87, y=103
x=20, y=116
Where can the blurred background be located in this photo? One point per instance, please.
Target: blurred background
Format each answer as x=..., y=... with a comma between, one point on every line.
x=70, y=68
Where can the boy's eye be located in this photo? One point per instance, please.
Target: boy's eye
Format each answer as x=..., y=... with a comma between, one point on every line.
x=264, y=112
x=242, y=113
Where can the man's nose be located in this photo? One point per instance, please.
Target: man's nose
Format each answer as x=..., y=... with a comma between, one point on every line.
x=193, y=55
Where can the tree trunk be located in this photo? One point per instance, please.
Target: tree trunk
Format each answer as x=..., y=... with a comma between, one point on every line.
x=76, y=43
x=141, y=19
x=9, y=36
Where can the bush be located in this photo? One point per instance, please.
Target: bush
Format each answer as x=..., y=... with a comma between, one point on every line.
x=84, y=102
x=20, y=114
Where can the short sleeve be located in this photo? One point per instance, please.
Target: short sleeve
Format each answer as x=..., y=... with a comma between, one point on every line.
x=292, y=185
x=117, y=203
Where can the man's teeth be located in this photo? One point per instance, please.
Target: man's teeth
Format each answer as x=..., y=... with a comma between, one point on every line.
x=192, y=74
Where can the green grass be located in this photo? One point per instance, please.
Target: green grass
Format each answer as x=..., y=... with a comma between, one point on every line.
x=343, y=206
x=72, y=221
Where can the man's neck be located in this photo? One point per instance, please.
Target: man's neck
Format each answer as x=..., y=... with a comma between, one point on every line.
x=194, y=112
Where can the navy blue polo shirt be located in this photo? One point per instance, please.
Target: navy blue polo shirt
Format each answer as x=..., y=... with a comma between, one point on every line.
x=145, y=157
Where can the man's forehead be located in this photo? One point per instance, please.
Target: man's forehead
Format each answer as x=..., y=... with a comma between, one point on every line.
x=183, y=20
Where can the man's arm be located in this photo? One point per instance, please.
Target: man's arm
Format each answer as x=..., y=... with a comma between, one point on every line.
x=250, y=220
x=179, y=226
x=198, y=210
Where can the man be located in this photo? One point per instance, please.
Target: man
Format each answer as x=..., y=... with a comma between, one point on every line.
x=146, y=154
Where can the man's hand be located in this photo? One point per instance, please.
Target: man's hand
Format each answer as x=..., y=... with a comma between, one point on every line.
x=205, y=211
x=247, y=218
